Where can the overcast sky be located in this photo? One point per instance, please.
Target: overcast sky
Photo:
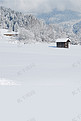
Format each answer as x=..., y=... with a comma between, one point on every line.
x=42, y=5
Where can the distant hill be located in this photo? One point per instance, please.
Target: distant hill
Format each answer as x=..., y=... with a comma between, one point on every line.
x=59, y=16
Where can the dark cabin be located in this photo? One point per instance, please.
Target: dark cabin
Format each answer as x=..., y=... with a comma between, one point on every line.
x=63, y=43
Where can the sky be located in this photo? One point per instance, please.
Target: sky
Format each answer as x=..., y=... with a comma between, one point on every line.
x=42, y=5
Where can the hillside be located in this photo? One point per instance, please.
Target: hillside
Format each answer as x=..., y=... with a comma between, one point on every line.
x=32, y=29
x=17, y=21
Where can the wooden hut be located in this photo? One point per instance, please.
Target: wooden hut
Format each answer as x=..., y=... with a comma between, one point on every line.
x=11, y=34
x=63, y=43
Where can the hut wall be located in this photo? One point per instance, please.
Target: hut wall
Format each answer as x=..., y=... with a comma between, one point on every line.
x=61, y=44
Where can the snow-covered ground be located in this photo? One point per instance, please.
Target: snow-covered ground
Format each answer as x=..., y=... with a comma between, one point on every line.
x=39, y=82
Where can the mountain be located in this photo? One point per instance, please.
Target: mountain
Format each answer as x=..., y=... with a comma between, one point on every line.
x=56, y=16
x=31, y=29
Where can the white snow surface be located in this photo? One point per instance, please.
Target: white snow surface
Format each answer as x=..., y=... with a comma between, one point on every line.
x=62, y=40
x=39, y=82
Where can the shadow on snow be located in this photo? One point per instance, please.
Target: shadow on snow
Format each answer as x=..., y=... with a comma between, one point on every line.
x=52, y=46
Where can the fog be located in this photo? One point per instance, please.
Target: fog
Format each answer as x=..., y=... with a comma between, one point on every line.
x=42, y=5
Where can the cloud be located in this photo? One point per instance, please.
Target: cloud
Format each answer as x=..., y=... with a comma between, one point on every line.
x=42, y=5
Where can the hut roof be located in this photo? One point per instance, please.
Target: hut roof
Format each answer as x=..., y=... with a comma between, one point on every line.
x=11, y=33
x=63, y=40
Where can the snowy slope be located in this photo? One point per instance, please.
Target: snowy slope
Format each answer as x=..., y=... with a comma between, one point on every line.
x=41, y=82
